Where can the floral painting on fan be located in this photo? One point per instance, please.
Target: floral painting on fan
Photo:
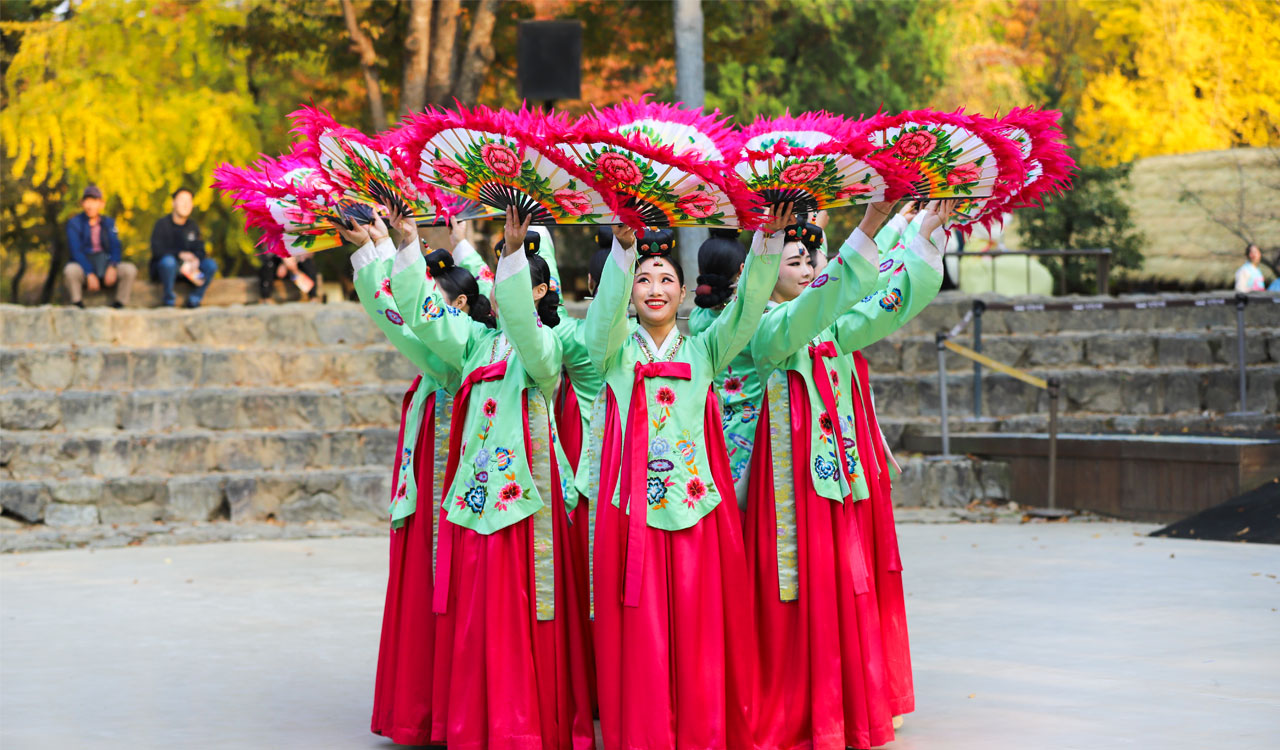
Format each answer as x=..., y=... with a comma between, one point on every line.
x=501, y=159
x=288, y=198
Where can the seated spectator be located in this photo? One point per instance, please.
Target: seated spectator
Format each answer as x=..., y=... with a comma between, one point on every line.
x=177, y=249
x=299, y=270
x=1249, y=276
x=95, y=253
x=1275, y=268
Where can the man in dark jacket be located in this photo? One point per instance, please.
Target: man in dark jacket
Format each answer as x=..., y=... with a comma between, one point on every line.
x=95, y=253
x=177, y=248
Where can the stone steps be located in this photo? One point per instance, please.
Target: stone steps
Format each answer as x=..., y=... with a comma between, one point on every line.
x=291, y=496
x=91, y=368
x=177, y=409
x=26, y=456
x=1215, y=346
x=1117, y=390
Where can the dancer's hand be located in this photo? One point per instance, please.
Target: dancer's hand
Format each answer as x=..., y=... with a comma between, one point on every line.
x=781, y=217
x=378, y=230
x=403, y=227
x=514, y=232
x=625, y=235
x=457, y=232
x=936, y=215
x=874, y=217
x=357, y=235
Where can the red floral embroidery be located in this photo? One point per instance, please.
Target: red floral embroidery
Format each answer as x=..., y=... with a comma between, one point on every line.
x=449, y=171
x=824, y=423
x=802, y=172
x=574, y=202
x=699, y=204
x=383, y=288
x=694, y=490
x=510, y=493
x=666, y=396
x=916, y=145
x=501, y=159
x=619, y=168
x=733, y=385
x=490, y=408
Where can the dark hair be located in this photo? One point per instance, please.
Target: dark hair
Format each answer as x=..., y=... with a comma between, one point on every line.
x=454, y=281
x=1249, y=247
x=548, y=306
x=719, y=261
x=658, y=242
x=604, y=237
x=182, y=190
x=595, y=269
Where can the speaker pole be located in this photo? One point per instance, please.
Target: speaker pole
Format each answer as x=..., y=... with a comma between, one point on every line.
x=691, y=91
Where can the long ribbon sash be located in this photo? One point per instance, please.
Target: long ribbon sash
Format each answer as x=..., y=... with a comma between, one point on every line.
x=886, y=535
x=404, y=415
x=635, y=471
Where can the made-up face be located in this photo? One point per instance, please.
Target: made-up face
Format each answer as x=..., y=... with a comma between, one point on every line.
x=656, y=292
x=795, y=274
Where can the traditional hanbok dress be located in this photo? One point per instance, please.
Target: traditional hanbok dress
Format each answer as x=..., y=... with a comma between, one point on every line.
x=674, y=641
x=402, y=688
x=503, y=673
x=822, y=665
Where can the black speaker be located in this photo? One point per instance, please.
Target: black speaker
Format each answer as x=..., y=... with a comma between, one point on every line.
x=550, y=60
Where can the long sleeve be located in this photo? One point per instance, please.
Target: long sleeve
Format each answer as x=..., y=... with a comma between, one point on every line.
x=890, y=233
x=790, y=326
x=914, y=280
x=732, y=330
x=536, y=344
x=371, y=267
x=195, y=246
x=111, y=240
x=75, y=245
x=420, y=302
x=607, y=316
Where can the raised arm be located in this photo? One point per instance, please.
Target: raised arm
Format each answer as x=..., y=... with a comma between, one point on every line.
x=606, y=324
x=911, y=283
x=733, y=328
x=536, y=344
x=791, y=325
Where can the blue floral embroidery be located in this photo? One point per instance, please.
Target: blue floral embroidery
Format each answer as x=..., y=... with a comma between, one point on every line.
x=452, y=310
x=821, y=280
x=393, y=316
x=657, y=490
x=726, y=418
x=474, y=498
x=749, y=412
x=482, y=458
x=659, y=447
x=740, y=441
x=482, y=476
x=824, y=468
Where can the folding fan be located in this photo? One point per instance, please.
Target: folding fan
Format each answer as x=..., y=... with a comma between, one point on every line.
x=656, y=183
x=689, y=132
x=817, y=162
x=288, y=198
x=503, y=159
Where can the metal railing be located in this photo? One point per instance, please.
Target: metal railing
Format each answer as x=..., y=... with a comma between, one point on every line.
x=1103, y=255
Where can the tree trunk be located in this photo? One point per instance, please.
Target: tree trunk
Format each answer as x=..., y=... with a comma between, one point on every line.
x=479, y=52
x=417, y=57
x=363, y=46
x=444, y=38
x=57, y=243
x=691, y=91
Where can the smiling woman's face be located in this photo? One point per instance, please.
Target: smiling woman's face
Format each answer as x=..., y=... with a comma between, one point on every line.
x=656, y=292
x=795, y=274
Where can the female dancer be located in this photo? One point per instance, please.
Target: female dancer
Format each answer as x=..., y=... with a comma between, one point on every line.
x=672, y=603
x=402, y=689
x=503, y=674
x=822, y=667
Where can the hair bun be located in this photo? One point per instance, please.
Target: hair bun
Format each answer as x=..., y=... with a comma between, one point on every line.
x=655, y=242
x=713, y=290
x=728, y=233
x=439, y=260
x=809, y=235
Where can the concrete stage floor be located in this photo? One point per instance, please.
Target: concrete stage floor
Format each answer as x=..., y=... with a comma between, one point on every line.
x=1080, y=635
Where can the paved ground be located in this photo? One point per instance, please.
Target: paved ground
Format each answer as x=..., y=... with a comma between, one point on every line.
x=1039, y=636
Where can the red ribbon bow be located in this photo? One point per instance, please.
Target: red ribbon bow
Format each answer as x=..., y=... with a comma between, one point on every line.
x=635, y=472
x=444, y=555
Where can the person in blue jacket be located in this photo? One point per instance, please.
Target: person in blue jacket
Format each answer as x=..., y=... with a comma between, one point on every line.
x=95, y=253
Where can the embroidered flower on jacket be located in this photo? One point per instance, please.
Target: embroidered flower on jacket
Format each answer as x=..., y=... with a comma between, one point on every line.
x=431, y=310
x=733, y=385
x=892, y=301
x=820, y=281
x=656, y=491
x=726, y=416
x=482, y=476
x=482, y=458
x=749, y=413
x=740, y=441
x=694, y=490
x=661, y=465
x=824, y=423
x=393, y=316
x=689, y=452
x=658, y=447
x=474, y=499
x=666, y=396
x=503, y=457
x=509, y=493
x=825, y=469
x=490, y=408
x=886, y=264
x=383, y=288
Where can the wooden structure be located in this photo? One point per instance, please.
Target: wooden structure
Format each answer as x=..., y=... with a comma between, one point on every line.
x=1156, y=478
